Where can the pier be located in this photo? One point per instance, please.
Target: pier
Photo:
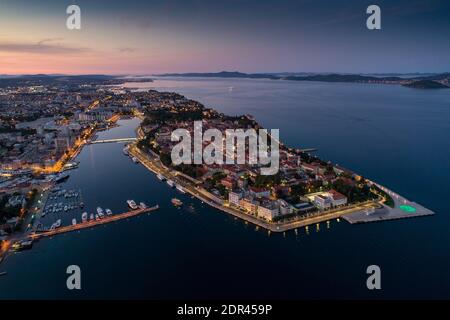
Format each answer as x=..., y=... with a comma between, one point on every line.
x=92, y=223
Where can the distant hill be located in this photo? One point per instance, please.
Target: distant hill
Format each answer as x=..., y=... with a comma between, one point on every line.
x=341, y=78
x=222, y=74
x=426, y=81
x=425, y=84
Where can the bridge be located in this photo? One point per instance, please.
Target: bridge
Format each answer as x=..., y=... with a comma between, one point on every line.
x=118, y=140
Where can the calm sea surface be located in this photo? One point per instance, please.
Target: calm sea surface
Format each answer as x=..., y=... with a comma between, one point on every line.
x=397, y=136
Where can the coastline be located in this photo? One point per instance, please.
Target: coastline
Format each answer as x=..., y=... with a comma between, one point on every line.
x=203, y=196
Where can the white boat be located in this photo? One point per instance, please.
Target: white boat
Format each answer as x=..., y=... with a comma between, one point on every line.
x=170, y=183
x=132, y=204
x=74, y=221
x=125, y=151
x=180, y=188
x=57, y=224
x=135, y=160
x=142, y=205
x=108, y=212
x=100, y=212
x=177, y=202
x=84, y=217
x=91, y=217
x=160, y=177
x=97, y=217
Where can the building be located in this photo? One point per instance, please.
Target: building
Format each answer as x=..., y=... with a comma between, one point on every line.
x=234, y=197
x=323, y=201
x=329, y=199
x=259, y=192
x=95, y=115
x=249, y=204
x=338, y=198
x=268, y=210
x=285, y=208
x=228, y=183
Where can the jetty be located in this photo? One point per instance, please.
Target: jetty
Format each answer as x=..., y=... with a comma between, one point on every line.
x=92, y=223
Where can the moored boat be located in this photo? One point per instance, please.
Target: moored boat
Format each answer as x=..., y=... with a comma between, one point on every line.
x=132, y=204
x=177, y=202
x=170, y=183
x=100, y=212
x=108, y=212
x=180, y=188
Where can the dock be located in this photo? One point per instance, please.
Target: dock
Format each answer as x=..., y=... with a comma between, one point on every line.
x=92, y=223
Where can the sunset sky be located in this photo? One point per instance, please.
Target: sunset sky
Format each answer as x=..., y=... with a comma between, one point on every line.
x=145, y=37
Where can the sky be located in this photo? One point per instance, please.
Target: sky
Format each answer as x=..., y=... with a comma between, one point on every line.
x=160, y=36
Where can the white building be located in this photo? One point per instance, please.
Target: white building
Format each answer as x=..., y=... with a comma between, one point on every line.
x=234, y=197
x=329, y=199
x=268, y=210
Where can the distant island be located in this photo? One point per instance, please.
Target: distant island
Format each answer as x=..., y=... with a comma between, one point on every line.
x=426, y=84
x=441, y=80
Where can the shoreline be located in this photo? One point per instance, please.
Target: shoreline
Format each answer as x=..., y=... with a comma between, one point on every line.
x=202, y=195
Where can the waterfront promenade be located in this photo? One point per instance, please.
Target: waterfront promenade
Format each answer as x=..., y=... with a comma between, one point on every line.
x=155, y=165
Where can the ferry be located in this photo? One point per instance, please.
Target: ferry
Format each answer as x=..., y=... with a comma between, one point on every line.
x=160, y=177
x=74, y=221
x=108, y=212
x=170, y=183
x=91, y=217
x=177, y=202
x=84, y=217
x=142, y=205
x=135, y=160
x=132, y=204
x=100, y=212
x=180, y=188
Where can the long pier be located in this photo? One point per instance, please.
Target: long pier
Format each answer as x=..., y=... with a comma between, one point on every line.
x=92, y=223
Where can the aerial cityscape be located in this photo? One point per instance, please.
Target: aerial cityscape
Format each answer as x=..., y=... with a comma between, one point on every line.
x=145, y=162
